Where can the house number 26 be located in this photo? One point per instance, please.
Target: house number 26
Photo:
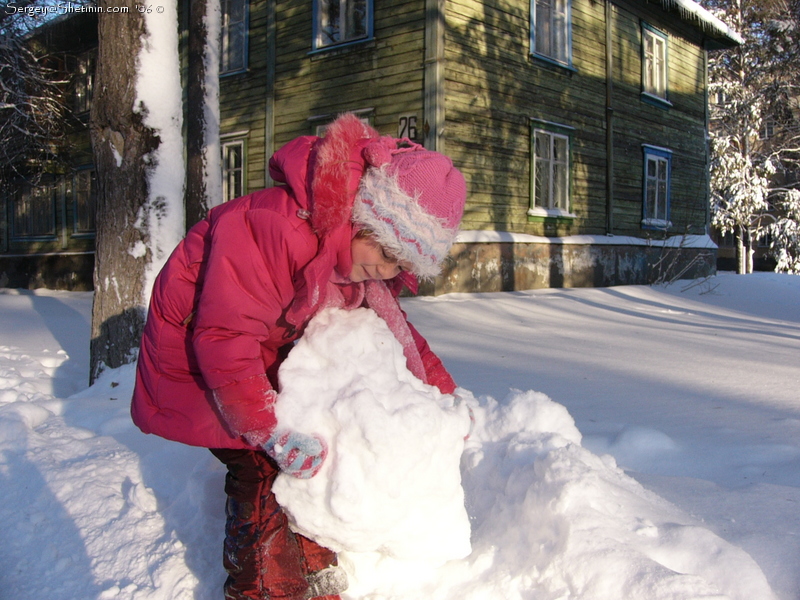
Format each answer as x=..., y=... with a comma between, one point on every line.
x=407, y=127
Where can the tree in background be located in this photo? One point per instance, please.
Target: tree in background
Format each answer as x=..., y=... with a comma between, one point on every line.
x=785, y=243
x=753, y=92
x=32, y=108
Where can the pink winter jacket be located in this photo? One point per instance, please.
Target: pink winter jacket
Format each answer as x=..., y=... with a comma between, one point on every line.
x=238, y=290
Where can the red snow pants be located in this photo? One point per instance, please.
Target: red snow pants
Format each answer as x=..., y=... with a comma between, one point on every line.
x=264, y=559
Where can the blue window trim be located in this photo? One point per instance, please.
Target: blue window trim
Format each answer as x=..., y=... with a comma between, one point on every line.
x=544, y=57
x=367, y=37
x=246, y=43
x=650, y=97
x=665, y=153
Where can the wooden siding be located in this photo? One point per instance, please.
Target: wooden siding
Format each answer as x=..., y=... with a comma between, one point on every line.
x=679, y=128
x=384, y=74
x=243, y=100
x=494, y=88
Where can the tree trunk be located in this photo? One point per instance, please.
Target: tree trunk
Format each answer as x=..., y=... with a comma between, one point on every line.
x=740, y=251
x=197, y=204
x=121, y=144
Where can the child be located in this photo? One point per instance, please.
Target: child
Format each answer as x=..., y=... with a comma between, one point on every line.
x=357, y=216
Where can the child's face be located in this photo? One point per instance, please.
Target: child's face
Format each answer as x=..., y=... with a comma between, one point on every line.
x=371, y=261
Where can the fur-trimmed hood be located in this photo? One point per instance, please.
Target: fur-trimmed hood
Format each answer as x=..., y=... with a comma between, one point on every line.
x=324, y=173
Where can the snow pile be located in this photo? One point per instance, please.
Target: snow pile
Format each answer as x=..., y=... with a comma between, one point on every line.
x=391, y=483
x=587, y=529
x=75, y=509
x=552, y=520
x=90, y=508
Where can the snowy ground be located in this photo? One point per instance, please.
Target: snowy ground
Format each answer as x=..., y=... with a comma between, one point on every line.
x=693, y=392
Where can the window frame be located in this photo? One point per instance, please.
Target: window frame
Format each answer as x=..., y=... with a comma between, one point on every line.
x=319, y=123
x=225, y=38
x=317, y=44
x=227, y=142
x=82, y=84
x=91, y=208
x=561, y=59
x=767, y=129
x=651, y=217
x=554, y=131
x=658, y=93
x=54, y=191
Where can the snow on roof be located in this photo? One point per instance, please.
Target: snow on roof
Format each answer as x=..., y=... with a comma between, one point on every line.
x=697, y=15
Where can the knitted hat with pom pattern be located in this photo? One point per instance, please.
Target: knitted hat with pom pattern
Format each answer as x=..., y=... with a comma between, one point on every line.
x=412, y=200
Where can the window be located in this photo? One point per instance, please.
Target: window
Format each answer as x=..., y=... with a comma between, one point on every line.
x=233, y=45
x=83, y=83
x=767, y=129
x=84, y=201
x=34, y=212
x=654, y=62
x=232, y=169
x=551, y=30
x=656, y=187
x=551, y=164
x=319, y=123
x=341, y=21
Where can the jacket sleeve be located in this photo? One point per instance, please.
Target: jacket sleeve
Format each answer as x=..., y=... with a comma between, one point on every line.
x=434, y=369
x=248, y=408
x=247, y=284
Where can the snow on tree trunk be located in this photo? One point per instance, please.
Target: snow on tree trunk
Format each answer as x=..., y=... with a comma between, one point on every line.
x=136, y=122
x=204, y=183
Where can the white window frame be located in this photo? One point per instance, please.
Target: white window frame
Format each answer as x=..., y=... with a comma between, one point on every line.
x=544, y=202
x=655, y=63
x=319, y=123
x=233, y=46
x=767, y=129
x=83, y=82
x=345, y=33
x=656, y=206
x=551, y=30
x=233, y=176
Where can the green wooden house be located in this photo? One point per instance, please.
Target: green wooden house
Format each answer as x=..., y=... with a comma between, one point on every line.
x=580, y=125
x=47, y=225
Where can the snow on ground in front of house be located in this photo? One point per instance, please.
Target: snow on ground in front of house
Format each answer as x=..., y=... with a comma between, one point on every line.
x=634, y=442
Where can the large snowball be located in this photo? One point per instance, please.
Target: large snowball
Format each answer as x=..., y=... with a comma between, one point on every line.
x=392, y=482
